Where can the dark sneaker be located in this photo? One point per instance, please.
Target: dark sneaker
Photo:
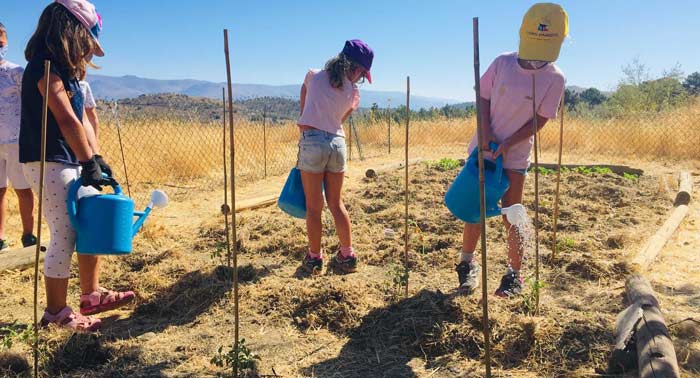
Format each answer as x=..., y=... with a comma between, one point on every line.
x=28, y=240
x=511, y=285
x=312, y=265
x=344, y=264
x=4, y=244
x=468, y=275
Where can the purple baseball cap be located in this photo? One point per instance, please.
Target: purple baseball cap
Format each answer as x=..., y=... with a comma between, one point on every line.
x=85, y=12
x=360, y=53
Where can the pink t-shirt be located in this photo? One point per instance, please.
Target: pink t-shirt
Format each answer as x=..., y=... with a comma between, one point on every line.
x=509, y=88
x=325, y=106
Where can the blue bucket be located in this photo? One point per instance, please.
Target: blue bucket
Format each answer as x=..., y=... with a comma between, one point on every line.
x=462, y=198
x=292, y=200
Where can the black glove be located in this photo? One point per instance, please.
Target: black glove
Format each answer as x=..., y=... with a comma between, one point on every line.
x=91, y=174
x=103, y=165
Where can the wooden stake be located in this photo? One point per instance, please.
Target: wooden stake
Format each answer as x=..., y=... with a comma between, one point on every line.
x=42, y=169
x=482, y=202
x=226, y=209
x=265, y=142
x=350, y=138
x=537, y=200
x=115, y=111
x=388, y=119
x=233, y=201
x=556, y=194
x=406, y=237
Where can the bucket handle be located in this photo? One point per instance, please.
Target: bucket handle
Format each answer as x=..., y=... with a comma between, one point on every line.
x=499, y=160
x=72, y=198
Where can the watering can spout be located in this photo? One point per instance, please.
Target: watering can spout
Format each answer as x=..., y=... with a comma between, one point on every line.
x=158, y=199
x=139, y=222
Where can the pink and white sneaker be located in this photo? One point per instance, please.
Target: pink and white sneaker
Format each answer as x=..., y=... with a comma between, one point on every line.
x=103, y=300
x=67, y=318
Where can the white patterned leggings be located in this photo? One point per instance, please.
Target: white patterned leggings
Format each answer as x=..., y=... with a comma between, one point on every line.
x=58, y=178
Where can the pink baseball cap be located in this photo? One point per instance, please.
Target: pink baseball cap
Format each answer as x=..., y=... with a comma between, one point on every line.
x=85, y=12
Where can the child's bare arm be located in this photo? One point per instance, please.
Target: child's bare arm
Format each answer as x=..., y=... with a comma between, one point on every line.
x=525, y=132
x=302, y=99
x=70, y=126
x=485, y=112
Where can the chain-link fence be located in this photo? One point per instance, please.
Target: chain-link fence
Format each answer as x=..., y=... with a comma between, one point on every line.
x=182, y=154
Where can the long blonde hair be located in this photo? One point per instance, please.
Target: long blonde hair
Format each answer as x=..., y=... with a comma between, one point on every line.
x=338, y=69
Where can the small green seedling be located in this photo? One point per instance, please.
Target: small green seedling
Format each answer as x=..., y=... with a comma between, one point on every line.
x=530, y=297
x=593, y=170
x=397, y=276
x=566, y=243
x=245, y=358
x=545, y=171
x=446, y=164
x=14, y=333
x=630, y=176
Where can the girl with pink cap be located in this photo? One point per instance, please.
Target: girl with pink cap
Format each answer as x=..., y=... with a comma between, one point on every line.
x=67, y=35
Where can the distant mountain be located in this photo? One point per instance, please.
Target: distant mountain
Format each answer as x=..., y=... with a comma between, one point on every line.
x=115, y=88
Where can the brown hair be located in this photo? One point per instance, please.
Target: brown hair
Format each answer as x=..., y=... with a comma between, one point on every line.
x=3, y=30
x=338, y=69
x=63, y=39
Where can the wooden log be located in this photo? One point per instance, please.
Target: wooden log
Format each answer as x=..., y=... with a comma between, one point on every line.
x=685, y=189
x=256, y=203
x=624, y=357
x=19, y=258
x=656, y=356
x=373, y=172
x=656, y=243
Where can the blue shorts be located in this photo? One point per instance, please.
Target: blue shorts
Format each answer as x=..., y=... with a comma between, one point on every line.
x=321, y=151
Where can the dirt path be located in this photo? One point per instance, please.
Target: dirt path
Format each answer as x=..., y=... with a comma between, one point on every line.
x=675, y=276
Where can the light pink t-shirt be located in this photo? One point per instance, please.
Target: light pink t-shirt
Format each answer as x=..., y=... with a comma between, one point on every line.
x=325, y=106
x=509, y=88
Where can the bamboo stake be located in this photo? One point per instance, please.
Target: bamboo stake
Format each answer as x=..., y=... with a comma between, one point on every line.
x=233, y=201
x=226, y=210
x=388, y=119
x=537, y=199
x=42, y=168
x=265, y=142
x=350, y=139
x=121, y=146
x=556, y=195
x=482, y=202
x=406, y=238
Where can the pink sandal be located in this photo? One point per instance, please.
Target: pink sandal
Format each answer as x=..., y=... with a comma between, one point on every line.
x=69, y=319
x=103, y=300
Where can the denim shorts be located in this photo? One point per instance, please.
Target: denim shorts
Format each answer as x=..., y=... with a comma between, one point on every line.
x=321, y=151
x=521, y=171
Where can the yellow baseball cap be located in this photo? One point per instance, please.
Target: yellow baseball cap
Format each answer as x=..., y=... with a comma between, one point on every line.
x=542, y=33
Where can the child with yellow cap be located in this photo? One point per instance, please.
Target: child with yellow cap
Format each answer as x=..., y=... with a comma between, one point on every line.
x=506, y=113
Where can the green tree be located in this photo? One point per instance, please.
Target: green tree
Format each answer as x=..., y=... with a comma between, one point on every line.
x=571, y=98
x=592, y=97
x=692, y=84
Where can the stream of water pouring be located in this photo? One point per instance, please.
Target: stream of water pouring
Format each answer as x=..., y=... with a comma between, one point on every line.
x=518, y=218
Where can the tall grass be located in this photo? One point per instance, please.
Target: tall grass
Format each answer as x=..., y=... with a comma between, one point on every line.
x=188, y=154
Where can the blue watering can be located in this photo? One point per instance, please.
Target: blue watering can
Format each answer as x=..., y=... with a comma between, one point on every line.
x=462, y=198
x=292, y=199
x=104, y=223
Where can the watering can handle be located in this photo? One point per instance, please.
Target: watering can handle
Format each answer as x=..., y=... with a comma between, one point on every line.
x=72, y=199
x=499, y=161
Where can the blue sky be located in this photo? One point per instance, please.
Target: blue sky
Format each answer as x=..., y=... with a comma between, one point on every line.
x=275, y=41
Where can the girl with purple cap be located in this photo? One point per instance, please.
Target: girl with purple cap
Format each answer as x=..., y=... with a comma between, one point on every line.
x=328, y=97
x=67, y=35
